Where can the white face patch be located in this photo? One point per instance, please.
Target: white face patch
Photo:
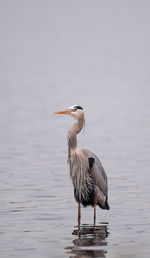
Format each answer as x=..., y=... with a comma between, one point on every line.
x=78, y=114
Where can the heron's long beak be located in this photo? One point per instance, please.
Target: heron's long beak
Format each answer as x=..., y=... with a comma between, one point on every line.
x=65, y=111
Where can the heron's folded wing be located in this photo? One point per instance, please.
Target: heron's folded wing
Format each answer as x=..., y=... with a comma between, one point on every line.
x=97, y=170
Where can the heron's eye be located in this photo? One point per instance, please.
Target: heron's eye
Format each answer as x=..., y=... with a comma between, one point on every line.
x=74, y=109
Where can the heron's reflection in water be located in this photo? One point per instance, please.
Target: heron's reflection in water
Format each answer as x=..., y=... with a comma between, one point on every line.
x=90, y=241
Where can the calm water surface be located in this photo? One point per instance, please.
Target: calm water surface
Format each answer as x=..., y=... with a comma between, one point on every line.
x=54, y=55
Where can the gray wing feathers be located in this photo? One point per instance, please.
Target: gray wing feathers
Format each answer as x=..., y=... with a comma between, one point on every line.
x=99, y=175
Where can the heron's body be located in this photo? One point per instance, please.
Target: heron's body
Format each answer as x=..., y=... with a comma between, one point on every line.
x=88, y=176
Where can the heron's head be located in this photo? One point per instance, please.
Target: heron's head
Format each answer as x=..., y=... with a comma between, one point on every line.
x=74, y=111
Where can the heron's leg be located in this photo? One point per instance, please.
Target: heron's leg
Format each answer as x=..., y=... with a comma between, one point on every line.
x=79, y=214
x=95, y=202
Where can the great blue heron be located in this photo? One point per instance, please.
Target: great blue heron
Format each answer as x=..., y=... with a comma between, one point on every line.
x=88, y=176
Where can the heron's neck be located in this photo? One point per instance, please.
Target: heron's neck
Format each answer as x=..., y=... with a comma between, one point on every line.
x=72, y=135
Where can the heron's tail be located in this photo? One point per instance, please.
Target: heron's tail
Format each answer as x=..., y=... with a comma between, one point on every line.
x=105, y=206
